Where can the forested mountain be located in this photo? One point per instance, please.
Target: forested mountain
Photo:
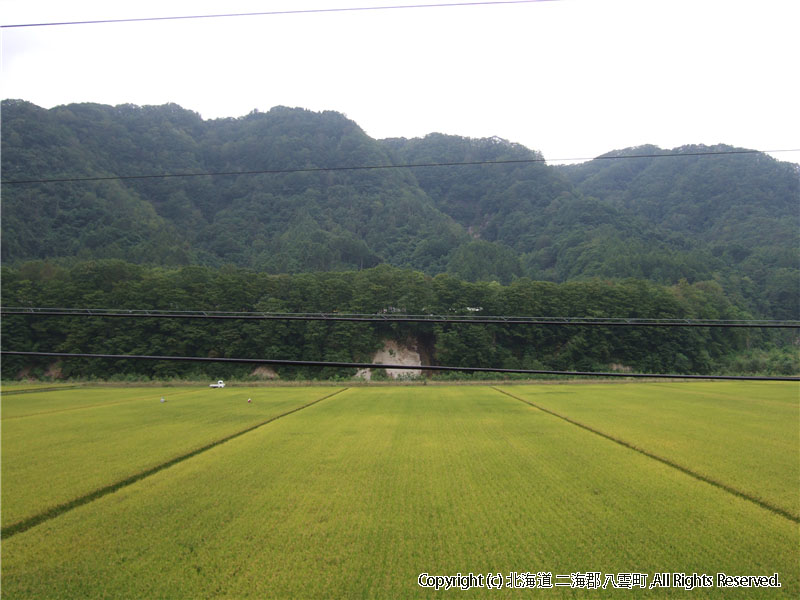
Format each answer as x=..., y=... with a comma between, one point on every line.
x=739, y=212
x=277, y=222
x=729, y=218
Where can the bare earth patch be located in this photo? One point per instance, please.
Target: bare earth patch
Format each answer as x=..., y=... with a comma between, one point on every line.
x=393, y=353
x=264, y=373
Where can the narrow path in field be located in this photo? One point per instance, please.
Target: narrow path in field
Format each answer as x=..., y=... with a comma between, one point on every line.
x=87, y=406
x=661, y=459
x=33, y=390
x=59, y=510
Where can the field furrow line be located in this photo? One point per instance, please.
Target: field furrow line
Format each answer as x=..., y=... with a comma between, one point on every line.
x=87, y=406
x=36, y=390
x=60, y=509
x=686, y=470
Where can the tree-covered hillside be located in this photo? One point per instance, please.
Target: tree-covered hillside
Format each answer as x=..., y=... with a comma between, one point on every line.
x=277, y=222
x=741, y=211
x=732, y=219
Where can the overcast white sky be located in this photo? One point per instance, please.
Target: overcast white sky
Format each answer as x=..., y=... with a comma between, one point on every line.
x=571, y=78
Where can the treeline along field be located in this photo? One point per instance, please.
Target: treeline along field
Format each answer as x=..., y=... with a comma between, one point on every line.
x=382, y=290
x=357, y=495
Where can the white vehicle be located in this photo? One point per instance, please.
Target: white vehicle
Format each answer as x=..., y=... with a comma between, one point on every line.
x=219, y=384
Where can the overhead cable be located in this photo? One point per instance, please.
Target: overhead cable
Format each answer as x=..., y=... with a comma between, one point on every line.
x=400, y=318
x=307, y=363
x=276, y=13
x=377, y=167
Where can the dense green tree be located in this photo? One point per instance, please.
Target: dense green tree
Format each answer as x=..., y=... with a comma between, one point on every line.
x=484, y=261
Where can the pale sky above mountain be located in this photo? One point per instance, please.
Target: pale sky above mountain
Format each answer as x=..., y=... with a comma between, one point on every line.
x=571, y=78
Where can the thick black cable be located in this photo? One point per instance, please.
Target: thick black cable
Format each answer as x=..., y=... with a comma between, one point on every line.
x=276, y=13
x=376, y=167
x=348, y=365
x=388, y=318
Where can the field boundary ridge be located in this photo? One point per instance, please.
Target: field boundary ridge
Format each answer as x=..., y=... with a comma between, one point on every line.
x=670, y=463
x=60, y=509
x=42, y=389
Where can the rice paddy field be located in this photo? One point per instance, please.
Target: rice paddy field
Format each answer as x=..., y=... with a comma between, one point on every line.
x=582, y=490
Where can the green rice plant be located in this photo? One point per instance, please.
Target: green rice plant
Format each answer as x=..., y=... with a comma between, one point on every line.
x=59, y=446
x=745, y=435
x=52, y=400
x=358, y=495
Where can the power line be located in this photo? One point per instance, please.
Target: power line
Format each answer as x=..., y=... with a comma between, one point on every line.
x=309, y=363
x=267, y=171
x=377, y=167
x=276, y=13
x=398, y=318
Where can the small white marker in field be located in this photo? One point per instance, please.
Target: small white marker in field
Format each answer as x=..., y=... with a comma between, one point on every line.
x=162, y=399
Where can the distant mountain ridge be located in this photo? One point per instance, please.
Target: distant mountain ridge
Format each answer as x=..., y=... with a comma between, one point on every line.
x=732, y=217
